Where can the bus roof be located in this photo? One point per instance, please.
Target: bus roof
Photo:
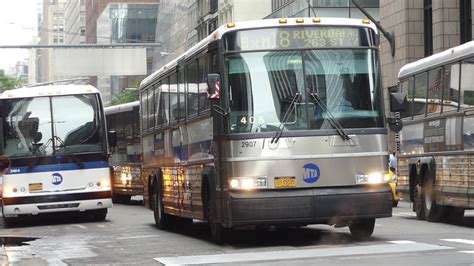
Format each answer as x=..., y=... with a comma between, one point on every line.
x=449, y=56
x=49, y=90
x=120, y=108
x=256, y=24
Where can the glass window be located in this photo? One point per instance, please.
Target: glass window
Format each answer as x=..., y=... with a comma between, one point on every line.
x=451, y=88
x=128, y=118
x=467, y=83
x=434, y=90
x=173, y=90
x=165, y=102
x=203, y=70
x=144, y=110
x=151, y=109
x=192, y=82
x=77, y=124
x=468, y=133
x=182, y=95
x=27, y=127
x=159, y=113
x=266, y=90
x=407, y=87
x=419, y=101
x=346, y=82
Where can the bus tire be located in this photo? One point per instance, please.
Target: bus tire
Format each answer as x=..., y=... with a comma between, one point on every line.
x=417, y=197
x=454, y=215
x=162, y=220
x=100, y=214
x=433, y=212
x=9, y=221
x=362, y=229
x=218, y=232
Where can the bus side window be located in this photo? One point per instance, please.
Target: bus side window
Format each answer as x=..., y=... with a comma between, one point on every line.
x=191, y=81
x=467, y=83
x=407, y=87
x=419, y=101
x=451, y=87
x=434, y=90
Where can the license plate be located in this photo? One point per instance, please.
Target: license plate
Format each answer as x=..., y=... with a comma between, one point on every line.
x=36, y=186
x=285, y=181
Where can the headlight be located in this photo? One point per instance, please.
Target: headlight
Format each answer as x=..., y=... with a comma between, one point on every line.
x=372, y=178
x=248, y=183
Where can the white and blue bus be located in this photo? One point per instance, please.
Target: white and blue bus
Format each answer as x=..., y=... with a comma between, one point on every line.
x=56, y=139
x=272, y=122
x=435, y=163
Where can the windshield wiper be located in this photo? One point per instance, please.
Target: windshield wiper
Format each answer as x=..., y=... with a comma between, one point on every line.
x=330, y=117
x=285, y=117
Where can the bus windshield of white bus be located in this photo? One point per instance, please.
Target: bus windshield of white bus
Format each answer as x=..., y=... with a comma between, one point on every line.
x=45, y=126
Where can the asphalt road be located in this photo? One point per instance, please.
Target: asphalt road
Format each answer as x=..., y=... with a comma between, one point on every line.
x=128, y=236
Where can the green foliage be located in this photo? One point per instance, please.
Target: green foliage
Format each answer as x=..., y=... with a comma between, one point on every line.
x=125, y=97
x=8, y=83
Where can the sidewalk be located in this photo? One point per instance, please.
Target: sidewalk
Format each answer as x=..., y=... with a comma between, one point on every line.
x=3, y=256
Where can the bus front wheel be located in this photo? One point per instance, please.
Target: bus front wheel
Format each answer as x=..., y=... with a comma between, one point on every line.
x=218, y=232
x=99, y=215
x=362, y=229
x=162, y=220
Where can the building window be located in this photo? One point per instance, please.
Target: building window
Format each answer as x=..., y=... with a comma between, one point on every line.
x=83, y=31
x=61, y=28
x=55, y=39
x=428, y=26
x=55, y=27
x=61, y=39
x=466, y=20
x=82, y=16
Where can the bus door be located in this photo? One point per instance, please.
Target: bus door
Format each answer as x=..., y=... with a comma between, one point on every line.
x=183, y=186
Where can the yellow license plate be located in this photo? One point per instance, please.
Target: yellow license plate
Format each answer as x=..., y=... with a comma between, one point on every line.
x=284, y=182
x=36, y=186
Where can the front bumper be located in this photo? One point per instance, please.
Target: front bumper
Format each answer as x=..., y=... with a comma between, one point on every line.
x=33, y=205
x=310, y=206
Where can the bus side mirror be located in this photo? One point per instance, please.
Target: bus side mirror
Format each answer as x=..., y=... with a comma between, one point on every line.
x=398, y=102
x=112, y=137
x=213, y=86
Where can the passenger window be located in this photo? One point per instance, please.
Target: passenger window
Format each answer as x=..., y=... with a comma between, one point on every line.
x=182, y=95
x=467, y=83
x=419, y=101
x=165, y=102
x=144, y=109
x=151, y=111
x=451, y=88
x=192, y=82
x=203, y=70
x=407, y=87
x=173, y=89
x=159, y=115
x=434, y=90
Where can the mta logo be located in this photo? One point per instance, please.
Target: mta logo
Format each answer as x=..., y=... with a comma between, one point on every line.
x=57, y=179
x=311, y=173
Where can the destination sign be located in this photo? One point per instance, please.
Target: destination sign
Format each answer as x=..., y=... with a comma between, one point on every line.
x=296, y=37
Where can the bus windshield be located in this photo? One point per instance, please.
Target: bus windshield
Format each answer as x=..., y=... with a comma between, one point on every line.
x=262, y=85
x=52, y=125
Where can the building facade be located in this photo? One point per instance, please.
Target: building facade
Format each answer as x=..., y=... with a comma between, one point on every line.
x=75, y=22
x=322, y=8
x=51, y=31
x=125, y=23
x=421, y=28
x=202, y=17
